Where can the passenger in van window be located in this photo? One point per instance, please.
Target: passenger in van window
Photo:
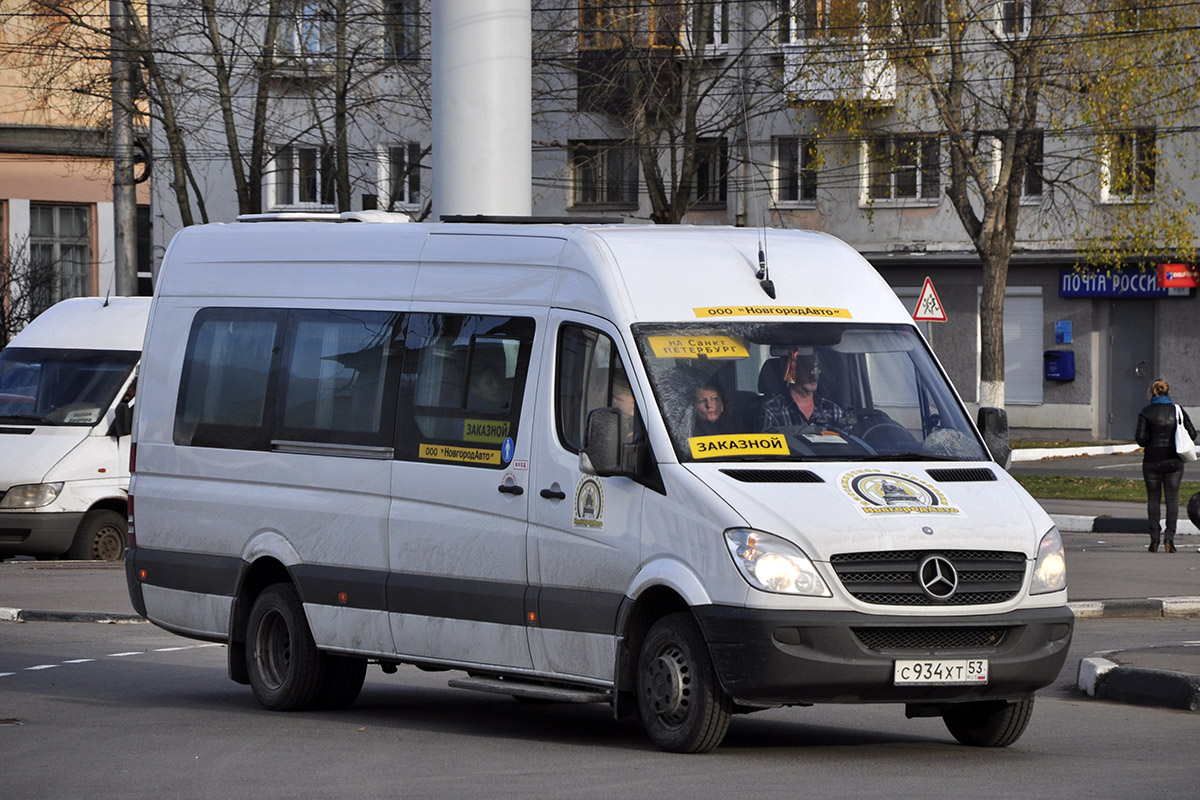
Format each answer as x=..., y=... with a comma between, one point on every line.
x=711, y=419
x=487, y=391
x=798, y=404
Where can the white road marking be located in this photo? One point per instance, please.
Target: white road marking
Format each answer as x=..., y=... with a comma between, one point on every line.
x=40, y=667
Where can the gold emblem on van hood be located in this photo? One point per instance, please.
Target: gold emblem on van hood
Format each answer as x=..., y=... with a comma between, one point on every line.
x=876, y=492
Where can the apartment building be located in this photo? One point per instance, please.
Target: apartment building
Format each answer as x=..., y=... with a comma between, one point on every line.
x=56, y=176
x=763, y=113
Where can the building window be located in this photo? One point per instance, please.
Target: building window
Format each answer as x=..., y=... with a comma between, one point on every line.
x=796, y=169
x=401, y=29
x=1129, y=166
x=305, y=29
x=611, y=24
x=718, y=28
x=712, y=172
x=1132, y=15
x=603, y=172
x=812, y=19
x=302, y=176
x=921, y=19
x=1014, y=17
x=903, y=168
x=400, y=176
x=1035, y=166
x=60, y=254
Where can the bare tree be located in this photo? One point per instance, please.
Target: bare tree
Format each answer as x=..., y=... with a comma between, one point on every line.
x=675, y=82
x=1052, y=93
x=27, y=288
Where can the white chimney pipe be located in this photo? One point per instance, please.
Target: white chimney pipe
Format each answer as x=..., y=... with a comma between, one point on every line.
x=482, y=128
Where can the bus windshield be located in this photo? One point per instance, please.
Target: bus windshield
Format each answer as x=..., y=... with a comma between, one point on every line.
x=46, y=386
x=803, y=391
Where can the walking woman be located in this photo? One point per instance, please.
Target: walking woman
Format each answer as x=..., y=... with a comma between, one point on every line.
x=1161, y=467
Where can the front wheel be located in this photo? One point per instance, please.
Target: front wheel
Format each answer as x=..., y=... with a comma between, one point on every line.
x=100, y=537
x=286, y=670
x=683, y=707
x=988, y=724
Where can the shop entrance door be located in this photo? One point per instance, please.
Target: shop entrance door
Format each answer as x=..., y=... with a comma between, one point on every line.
x=1130, y=363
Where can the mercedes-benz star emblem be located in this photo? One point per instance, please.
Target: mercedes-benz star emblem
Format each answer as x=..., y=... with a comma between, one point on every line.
x=938, y=577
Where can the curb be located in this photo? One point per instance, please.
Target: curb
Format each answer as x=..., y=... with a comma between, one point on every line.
x=1105, y=680
x=1081, y=523
x=1040, y=453
x=1155, y=607
x=29, y=615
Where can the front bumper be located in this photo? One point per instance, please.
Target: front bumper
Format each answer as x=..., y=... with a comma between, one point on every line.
x=25, y=533
x=790, y=657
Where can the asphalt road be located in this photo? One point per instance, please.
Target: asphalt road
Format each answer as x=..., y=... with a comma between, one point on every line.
x=118, y=711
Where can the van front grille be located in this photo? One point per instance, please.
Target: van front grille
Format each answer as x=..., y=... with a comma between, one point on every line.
x=930, y=638
x=893, y=578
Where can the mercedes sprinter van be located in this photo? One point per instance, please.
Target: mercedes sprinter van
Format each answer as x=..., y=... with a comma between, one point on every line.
x=689, y=472
x=66, y=385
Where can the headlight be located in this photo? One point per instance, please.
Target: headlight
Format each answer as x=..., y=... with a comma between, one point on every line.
x=31, y=495
x=773, y=564
x=1050, y=569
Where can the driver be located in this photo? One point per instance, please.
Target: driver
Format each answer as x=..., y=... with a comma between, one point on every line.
x=799, y=404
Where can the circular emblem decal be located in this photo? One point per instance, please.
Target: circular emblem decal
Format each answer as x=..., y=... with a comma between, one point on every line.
x=877, y=493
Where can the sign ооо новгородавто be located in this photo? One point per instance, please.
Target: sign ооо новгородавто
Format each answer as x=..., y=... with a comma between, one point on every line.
x=1128, y=282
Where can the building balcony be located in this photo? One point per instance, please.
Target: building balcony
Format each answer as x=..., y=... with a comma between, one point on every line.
x=828, y=69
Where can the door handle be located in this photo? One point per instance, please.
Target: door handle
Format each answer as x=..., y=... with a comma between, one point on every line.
x=511, y=488
x=553, y=494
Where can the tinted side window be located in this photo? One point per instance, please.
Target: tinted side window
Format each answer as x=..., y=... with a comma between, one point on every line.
x=464, y=379
x=226, y=394
x=590, y=376
x=335, y=377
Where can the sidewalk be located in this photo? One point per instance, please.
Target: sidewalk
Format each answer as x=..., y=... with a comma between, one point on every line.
x=1167, y=677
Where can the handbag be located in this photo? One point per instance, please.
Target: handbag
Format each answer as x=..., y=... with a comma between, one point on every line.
x=1184, y=445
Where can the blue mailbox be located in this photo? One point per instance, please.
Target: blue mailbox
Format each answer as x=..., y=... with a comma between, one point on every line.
x=1059, y=365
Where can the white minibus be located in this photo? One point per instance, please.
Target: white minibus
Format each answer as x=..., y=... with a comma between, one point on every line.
x=689, y=472
x=66, y=385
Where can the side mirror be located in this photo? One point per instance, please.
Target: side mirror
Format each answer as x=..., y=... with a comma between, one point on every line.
x=122, y=424
x=993, y=424
x=607, y=449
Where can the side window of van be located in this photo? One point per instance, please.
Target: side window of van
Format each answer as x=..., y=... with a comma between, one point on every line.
x=464, y=379
x=226, y=393
x=335, y=377
x=590, y=376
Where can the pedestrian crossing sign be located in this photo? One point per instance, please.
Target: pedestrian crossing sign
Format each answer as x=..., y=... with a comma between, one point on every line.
x=929, y=307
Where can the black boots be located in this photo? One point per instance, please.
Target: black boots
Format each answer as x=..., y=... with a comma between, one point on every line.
x=1153, y=548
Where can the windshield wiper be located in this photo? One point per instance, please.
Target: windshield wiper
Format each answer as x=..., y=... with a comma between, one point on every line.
x=26, y=418
x=910, y=457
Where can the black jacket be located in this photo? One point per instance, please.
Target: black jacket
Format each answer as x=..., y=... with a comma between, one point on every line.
x=1156, y=431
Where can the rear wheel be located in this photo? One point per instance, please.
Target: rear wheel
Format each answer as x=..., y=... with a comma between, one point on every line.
x=100, y=537
x=683, y=707
x=344, y=676
x=988, y=724
x=286, y=670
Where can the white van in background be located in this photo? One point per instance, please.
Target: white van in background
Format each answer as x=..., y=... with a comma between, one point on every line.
x=480, y=447
x=66, y=381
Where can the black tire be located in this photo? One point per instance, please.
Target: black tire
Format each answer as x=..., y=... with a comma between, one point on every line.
x=988, y=724
x=286, y=670
x=344, y=676
x=682, y=705
x=101, y=537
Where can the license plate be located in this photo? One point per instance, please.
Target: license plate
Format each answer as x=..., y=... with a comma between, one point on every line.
x=941, y=672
